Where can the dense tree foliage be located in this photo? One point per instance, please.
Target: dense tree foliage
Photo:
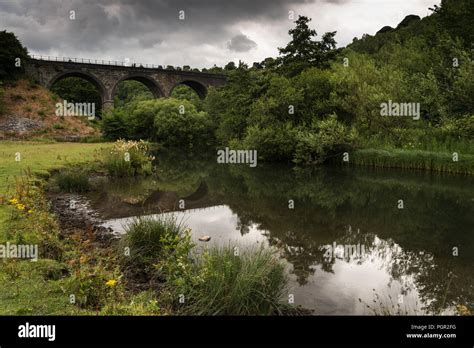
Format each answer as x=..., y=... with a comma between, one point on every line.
x=456, y=17
x=170, y=122
x=177, y=123
x=279, y=110
x=13, y=56
x=129, y=91
x=184, y=92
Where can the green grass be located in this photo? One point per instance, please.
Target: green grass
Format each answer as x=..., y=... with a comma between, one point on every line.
x=39, y=158
x=216, y=282
x=72, y=181
x=413, y=159
x=151, y=240
x=25, y=290
x=223, y=283
x=429, y=139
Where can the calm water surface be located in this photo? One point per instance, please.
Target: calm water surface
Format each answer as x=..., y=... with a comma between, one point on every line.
x=346, y=242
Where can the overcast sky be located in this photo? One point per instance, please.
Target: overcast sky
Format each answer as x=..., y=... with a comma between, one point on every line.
x=212, y=32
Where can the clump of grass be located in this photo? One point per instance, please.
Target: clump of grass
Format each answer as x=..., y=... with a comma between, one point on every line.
x=58, y=126
x=73, y=181
x=128, y=158
x=216, y=282
x=223, y=283
x=151, y=241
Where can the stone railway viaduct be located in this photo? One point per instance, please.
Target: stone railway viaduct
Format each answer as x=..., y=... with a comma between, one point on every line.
x=106, y=77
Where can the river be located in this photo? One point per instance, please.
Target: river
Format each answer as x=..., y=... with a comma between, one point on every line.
x=355, y=240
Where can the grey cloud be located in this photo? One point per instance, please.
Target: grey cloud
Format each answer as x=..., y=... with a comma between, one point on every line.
x=150, y=30
x=148, y=42
x=241, y=43
x=208, y=20
x=103, y=28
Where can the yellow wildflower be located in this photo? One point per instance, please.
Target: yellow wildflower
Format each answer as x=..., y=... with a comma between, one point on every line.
x=13, y=201
x=463, y=310
x=30, y=211
x=20, y=206
x=111, y=282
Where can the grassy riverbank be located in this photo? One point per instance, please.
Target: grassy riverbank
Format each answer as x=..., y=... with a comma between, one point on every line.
x=23, y=286
x=161, y=271
x=37, y=158
x=78, y=274
x=414, y=160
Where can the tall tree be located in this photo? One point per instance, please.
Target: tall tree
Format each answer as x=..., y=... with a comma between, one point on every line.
x=303, y=51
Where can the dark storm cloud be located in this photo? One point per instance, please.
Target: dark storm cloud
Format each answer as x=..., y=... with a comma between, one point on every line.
x=99, y=23
x=241, y=43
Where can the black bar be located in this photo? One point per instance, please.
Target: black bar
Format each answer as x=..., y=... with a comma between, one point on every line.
x=343, y=330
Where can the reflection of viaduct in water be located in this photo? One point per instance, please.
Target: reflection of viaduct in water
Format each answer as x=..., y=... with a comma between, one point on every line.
x=193, y=210
x=114, y=207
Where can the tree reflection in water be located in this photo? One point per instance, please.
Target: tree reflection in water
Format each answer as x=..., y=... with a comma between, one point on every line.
x=346, y=206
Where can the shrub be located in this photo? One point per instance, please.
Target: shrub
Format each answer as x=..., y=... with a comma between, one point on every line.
x=114, y=125
x=272, y=143
x=327, y=138
x=221, y=283
x=177, y=123
x=128, y=158
x=141, y=119
x=71, y=181
x=171, y=122
x=459, y=127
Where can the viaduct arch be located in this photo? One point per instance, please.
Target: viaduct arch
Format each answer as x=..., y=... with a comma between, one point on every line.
x=106, y=77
